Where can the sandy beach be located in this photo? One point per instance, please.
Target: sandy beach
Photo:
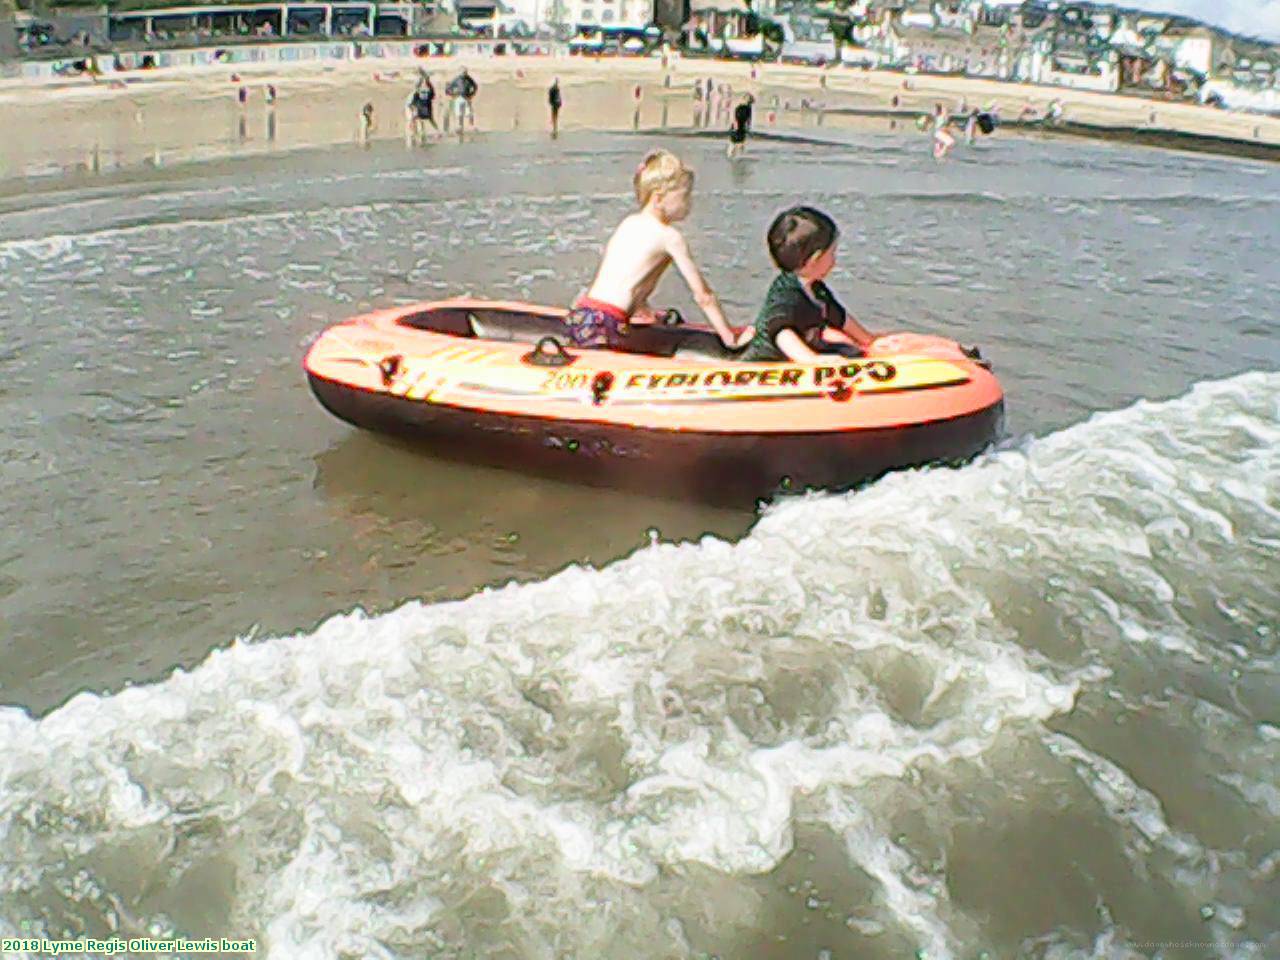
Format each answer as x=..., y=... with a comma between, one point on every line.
x=178, y=115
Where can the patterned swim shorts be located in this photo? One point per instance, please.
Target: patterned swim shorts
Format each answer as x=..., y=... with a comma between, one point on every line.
x=592, y=323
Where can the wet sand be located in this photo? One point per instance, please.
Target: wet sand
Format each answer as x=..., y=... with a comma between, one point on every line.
x=179, y=115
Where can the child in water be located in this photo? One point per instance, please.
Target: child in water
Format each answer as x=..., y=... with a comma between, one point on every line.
x=801, y=318
x=636, y=256
x=943, y=139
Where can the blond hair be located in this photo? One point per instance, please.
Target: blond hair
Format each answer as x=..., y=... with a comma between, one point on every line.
x=661, y=171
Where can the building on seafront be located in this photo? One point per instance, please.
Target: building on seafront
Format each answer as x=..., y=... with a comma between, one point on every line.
x=157, y=27
x=726, y=26
x=1078, y=45
x=616, y=14
x=279, y=21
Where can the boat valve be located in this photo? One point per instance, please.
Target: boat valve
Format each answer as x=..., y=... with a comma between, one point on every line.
x=601, y=384
x=390, y=368
x=839, y=391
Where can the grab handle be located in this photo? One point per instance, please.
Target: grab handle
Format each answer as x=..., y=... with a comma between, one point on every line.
x=549, y=353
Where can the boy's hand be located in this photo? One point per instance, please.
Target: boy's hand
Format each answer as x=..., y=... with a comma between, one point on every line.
x=644, y=314
x=742, y=336
x=834, y=335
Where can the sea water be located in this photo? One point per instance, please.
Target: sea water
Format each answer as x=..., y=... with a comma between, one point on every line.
x=1022, y=708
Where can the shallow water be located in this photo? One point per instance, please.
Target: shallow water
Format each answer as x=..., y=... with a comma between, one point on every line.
x=1026, y=707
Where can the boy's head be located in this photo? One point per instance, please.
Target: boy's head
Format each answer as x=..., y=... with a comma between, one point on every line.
x=799, y=236
x=663, y=179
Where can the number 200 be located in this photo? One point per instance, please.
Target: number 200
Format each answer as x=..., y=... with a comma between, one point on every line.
x=564, y=381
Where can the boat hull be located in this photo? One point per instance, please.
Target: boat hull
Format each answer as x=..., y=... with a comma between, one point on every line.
x=494, y=382
x=710, y=466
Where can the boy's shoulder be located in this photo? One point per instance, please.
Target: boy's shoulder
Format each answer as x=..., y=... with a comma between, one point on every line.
x=784, y=296
x=784, y=285
x=641, y=224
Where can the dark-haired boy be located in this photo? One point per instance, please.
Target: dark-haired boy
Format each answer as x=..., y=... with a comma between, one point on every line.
x=801, y=318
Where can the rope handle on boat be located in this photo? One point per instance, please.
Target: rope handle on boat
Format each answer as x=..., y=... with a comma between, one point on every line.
x=549, y=352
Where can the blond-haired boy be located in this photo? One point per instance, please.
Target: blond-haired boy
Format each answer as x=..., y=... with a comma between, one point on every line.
x=636, y=256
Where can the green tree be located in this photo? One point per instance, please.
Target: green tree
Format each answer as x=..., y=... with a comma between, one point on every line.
x=773, y=36
x=841, y=33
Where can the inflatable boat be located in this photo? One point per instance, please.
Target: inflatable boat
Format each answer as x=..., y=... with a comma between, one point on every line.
x=498, y=381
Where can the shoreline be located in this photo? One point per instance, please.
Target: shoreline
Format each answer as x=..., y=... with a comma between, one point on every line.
x=86, y=127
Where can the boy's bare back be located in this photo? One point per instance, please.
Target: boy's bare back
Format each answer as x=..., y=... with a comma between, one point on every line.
x=634, y=260
x=642, y=247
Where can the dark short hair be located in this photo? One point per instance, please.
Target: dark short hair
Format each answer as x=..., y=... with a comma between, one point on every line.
x=797, y=234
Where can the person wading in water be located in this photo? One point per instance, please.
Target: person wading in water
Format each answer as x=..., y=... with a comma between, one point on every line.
x=741, y=127
x=555, y=102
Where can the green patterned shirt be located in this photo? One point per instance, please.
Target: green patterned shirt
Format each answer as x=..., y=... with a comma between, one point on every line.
x=788, y=307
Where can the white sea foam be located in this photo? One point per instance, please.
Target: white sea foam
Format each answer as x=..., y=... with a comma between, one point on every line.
x=524, y=770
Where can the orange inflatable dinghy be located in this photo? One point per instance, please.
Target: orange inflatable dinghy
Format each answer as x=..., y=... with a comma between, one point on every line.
x=496, y=381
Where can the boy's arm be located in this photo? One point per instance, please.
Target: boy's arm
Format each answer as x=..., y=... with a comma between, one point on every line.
x=789, y=342
x=844, y=321
x=678, y=250
x=860, y=335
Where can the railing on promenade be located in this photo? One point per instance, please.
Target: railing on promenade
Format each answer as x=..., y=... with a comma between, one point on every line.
x=136, y=61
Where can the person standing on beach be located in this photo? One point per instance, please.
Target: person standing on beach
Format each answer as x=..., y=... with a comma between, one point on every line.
x=427, y=102
x=741, y=126
x=421, y=108
x=462, y=90
x=366, y=123
x=469, y=90
x=637, y=94
x=555, y=102
x=726, y=105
